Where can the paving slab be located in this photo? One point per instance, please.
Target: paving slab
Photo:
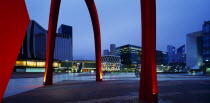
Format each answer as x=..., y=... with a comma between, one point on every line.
x=114, y=91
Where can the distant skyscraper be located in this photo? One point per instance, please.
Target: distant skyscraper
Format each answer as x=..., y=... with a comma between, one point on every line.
x=106, y=52
x=181, y=50
x=34, y=45
x=194, y=49
x=161, y=58
x=206, y=45
x=198, y=48
x=171, y=53
x=181, y=55
x=64, y=44
x=112, y=49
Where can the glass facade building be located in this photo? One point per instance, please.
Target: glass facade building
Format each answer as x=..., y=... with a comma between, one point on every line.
x=32, y=47
x=64, y=44
x=194, y=55
x=181, y=55
x=171, y=54
x=161, y=58
x=131, y=56
x=198, y=48
x=206, y=45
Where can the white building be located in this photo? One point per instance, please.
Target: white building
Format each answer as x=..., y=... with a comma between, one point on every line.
x=194, y=49
x=111, y=63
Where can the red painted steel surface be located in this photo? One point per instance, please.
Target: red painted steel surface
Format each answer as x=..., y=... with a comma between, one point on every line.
x=52, y=27
x=97, y=36
x=14, y=21
x=148, y=82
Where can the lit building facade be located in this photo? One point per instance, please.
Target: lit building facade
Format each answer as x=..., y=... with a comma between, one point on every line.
x=73, y=66
x=32, y=47
x=111, y=63
x=33, y=51
x=130, y=55
x=64, y=44
x=32, y=65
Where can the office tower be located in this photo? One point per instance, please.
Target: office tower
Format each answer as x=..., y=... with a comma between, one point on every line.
x=181, y=55
x=206, y=45
x=64, y=44
x=106, y=52
x=112, y=49
x=161, y=57
x=171, y=54
x=129, y=54
x=194, y=55
x=34, y=45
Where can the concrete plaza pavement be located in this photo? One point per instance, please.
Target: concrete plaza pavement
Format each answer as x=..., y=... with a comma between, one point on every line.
x=117, y=88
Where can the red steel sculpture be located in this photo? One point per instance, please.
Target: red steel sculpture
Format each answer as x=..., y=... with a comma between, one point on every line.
x=97, y=36
x=52, y=27
x=14, y=15
x=148, y=82
x=54, y=12
x=14, y=21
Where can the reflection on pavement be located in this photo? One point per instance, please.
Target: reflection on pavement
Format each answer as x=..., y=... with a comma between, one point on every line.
x=20, y=85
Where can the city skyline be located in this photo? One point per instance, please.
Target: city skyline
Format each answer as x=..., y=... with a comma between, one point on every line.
x=120, y=24
x=38, y=74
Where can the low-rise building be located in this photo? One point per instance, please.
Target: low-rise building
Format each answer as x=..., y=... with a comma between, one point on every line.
x=111, y=63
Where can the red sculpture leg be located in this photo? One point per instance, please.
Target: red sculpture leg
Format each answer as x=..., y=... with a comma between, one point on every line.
x=148, y=82
x=14, y=21
x=53, y=20
x=97, y=36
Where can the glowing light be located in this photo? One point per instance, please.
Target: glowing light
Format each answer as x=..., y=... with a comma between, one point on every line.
x=34, y=64
x=44, y=78
x=101, y=76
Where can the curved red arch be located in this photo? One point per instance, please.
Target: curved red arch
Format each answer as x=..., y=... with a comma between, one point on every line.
x=53, y=19
x=97, y=37
x=52, y=27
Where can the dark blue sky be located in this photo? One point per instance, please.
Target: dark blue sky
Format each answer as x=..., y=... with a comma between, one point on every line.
x=120, y=22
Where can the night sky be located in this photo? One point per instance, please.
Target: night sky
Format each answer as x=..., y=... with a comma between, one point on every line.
x=120, y=22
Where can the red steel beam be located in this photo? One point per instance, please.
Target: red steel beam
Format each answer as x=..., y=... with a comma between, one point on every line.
x=97, y=36
x=14, y=21
x=52, y=27
x=148, y=83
